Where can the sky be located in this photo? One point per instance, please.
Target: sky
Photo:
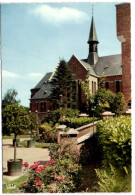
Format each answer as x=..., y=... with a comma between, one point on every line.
x=36, y=35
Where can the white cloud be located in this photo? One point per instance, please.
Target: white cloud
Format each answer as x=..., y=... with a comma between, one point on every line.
x=59, y=15
x=35, y=75
x=6, y=74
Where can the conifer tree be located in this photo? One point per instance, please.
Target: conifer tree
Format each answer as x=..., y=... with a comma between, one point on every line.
x=62, y=86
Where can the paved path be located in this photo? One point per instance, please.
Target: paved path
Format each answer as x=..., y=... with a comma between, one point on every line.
x=29, y=155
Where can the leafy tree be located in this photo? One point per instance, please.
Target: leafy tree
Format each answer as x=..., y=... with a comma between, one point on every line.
x=10, y=98
x=34, y=122
x=15, y=119
x=119, y=103
x=62, y=86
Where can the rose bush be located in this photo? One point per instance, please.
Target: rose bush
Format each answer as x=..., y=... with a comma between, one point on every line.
x=61, y=174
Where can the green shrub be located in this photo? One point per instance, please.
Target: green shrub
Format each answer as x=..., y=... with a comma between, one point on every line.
x=113, y=180
x=76, y=122
x=119, y=103
x=55, y=115
x=44, y=127
x=114, y=137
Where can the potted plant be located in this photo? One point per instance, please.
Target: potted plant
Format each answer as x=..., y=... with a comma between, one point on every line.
x=33, y=126
x=15, y=120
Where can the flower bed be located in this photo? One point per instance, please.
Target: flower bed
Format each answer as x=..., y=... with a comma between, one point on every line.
x=60, y=174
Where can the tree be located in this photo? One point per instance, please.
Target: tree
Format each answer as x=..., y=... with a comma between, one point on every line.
x=15, y=119
x=119, y=103
x=62, y=86
x=34, y=122
x=10, y=98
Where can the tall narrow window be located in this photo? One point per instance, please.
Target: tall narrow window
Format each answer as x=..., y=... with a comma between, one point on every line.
x=44, y=106
x=107, y=85
x=92, y=88
x=117, y=86
x=41, y=106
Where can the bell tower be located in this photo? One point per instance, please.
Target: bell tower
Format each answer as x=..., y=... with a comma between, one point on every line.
x=93, y=42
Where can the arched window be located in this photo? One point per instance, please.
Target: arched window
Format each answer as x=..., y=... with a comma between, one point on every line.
x=92, y=88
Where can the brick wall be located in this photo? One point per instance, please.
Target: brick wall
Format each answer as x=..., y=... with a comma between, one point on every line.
x=124, y=35
x=86, y=129
x=112, y=82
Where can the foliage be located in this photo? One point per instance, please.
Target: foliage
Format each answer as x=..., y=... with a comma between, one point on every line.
x=114, y=137
x=45, y=127
x=104, y=100
x=58, y=175
x=77, y=122
x=10, y=98
x=62, y=86
x=113, y=180
x=34, y=122
x=101, y=101
x=55, y=115
x=15, y=119
x=119, y=103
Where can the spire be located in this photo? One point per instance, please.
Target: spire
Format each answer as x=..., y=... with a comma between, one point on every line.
x=93, y=42
x=92, y=35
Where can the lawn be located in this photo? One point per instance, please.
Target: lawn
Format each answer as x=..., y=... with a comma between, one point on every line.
x=11, y=186
x=37, y=145
x=18, y=137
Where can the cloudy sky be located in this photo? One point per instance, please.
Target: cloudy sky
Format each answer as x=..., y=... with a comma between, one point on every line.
x=35, y=35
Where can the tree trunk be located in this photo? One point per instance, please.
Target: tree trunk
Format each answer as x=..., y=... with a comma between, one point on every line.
x=15, y=149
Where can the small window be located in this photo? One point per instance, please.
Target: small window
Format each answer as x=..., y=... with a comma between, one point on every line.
x=107, y=85
x=92, y=88
x=117, y=86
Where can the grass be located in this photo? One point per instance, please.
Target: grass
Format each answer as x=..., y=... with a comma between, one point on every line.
x=12, y=136
x=37, y=145
x=11, y=186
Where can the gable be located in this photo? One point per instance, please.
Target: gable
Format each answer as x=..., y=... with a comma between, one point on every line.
x=77, y=69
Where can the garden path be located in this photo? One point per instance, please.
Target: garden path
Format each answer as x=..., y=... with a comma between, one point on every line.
x=29, y=155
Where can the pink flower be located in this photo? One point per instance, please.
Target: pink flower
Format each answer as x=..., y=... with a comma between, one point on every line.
x=73, y=187
x=35, y=181
x=76, y=165
x=25, y=184
x=61, y=179
x=39, y=169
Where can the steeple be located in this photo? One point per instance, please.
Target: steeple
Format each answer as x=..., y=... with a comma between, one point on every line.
x=92, y=41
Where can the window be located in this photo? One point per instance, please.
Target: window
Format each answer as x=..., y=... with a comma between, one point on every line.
x=117, y=86
x=107, y=85
x=92, y=88
x=42, y=106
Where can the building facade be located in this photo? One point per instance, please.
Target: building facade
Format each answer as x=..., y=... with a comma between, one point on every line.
x=116, y=68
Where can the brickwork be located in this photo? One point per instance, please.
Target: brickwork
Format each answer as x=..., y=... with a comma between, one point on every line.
x=112, y=83
x=85, y=129
x=124, y=35
x=35, y=106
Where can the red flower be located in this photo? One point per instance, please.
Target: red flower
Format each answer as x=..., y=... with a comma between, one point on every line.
x=25, y=184
x=76, y=165
x=61, y=179
x=73, y=188
x=39, y=169
x=25, y=164
x=39, y=183
x=68, y=179
x=51, y=162
x=35, y=181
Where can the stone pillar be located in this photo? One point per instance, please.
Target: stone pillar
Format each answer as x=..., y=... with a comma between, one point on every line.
x=126, y=112
x=107, y=114
x=69, y=137
x=60, y=128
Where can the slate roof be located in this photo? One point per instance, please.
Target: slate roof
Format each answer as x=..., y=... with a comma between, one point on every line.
x=44, y=79
x=44, y=92
x=109, y=65
x=88, y=66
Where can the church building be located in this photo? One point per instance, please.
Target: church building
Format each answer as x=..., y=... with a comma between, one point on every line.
x=116, y=68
